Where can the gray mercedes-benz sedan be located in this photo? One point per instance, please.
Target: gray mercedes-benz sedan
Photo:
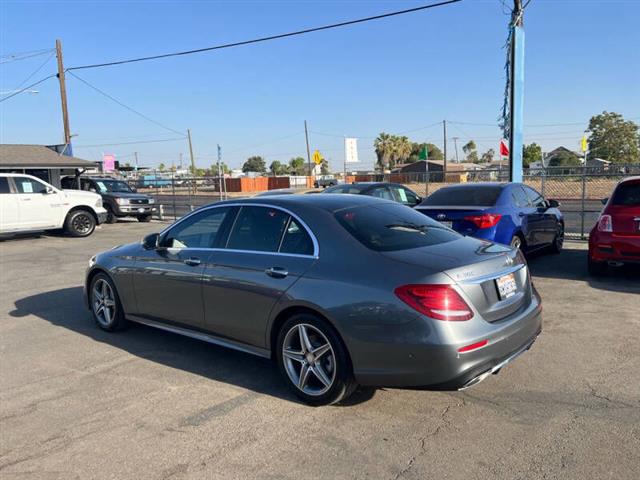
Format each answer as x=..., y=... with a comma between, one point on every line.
x=339, y=290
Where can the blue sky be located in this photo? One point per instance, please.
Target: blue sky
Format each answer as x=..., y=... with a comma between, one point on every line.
x=396, y=75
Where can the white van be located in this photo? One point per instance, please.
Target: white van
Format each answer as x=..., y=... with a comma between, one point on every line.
x=30, y=204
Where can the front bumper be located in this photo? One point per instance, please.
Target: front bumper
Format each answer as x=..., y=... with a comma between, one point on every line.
x=132, y=210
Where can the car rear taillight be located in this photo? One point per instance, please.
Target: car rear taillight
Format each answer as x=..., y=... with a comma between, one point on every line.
x=486, y=220
x=441, y=302
x=605, y=224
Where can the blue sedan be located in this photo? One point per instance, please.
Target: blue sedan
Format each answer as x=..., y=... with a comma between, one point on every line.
x=512, y=213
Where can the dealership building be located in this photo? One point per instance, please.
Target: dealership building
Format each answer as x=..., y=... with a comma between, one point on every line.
x=49, y=163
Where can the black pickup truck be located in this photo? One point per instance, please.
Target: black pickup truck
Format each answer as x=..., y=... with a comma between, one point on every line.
x=118, y=198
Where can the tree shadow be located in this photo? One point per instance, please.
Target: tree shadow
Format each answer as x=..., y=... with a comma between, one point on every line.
x=65, y=308
x=571, y=264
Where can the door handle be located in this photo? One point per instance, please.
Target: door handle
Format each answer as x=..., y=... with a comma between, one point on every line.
x=276, y=272
x=192, y=261
x=25, y=199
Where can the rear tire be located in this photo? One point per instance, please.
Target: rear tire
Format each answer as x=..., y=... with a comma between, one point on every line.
x=80, y=223
x=595, y=268
x=558, y=240
x=105, y=304
x=144, y=218
x=313, y=360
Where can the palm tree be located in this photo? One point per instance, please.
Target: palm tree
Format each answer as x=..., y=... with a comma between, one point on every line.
x=402, y=147
x=384, y=149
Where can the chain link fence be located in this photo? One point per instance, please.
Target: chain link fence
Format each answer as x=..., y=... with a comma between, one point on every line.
x=578, y=189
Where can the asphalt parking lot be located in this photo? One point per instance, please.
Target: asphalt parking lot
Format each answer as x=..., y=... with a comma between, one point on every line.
x=76, y=402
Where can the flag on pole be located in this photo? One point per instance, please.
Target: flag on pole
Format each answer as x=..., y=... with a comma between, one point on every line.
x=504, y=148
x=583, y=144
x=423, y=155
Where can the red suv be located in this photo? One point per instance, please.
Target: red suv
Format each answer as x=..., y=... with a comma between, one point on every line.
x=615, y=239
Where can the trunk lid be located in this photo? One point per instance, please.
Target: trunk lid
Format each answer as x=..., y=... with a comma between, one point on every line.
x=475, y=266
x=454, y=217
x=625, y=219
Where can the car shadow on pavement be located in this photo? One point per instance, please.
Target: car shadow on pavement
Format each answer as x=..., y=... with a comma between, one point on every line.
x=571, y=264
x=65, y=308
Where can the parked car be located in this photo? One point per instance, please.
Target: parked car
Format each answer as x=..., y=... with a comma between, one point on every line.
x=510, y=213
x=387, y=191
x=278, y=191
x=615, y=239
x=339, y=289
x=119, y=199
x=325, y=181
x=29, y=204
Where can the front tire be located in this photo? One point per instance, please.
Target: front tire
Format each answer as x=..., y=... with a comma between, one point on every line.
x=80, y=223
x=111, y=217
x=313, y=360
x=105, y=304
x=558, y=241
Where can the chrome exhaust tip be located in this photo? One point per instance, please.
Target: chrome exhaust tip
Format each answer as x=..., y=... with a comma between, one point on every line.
x=614, y=263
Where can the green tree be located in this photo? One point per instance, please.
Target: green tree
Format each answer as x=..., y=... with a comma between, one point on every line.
x=487, y=157
x=254, y=164
x=278, y=168
x=324, y=167
x=564, y=158
x=531, y=153
x=223, y=168
x=401, y=150
x=297, y=166
x=161, y=167
x=614, y=138
x=384, y=145
x=470, y=150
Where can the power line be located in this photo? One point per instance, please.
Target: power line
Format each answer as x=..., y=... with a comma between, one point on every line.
x=126, y=106
x=269, y=38
x=130, y=143
x=27, y=88
x=36, y=70
x=17, y=57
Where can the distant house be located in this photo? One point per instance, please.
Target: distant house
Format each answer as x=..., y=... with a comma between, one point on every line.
x=42, y=162
x=550, y=156
x=600, y=163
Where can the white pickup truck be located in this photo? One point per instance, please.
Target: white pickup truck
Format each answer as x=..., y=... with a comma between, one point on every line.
x=30, y=204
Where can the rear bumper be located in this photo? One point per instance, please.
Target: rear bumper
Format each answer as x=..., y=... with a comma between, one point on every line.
x=440, y=366
x=608, y=247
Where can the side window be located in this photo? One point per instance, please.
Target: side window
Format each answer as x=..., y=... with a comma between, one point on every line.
x=535, y=198
x=519, y=197
x=29, y=185
x=381, y=192
x=404, y=196
x=296, y=240
x=87, y=185
x=258, y=228
x=197, y=231
x=4, y=185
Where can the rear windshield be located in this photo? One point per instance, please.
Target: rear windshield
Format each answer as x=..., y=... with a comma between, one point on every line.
x=476, y=195
x=391, y=226
x=627, y=194
x=344, y=189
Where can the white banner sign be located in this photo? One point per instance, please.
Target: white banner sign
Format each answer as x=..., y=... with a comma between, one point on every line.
x=350, y=150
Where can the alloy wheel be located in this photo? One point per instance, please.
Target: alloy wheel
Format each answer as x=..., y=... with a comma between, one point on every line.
x=82, y=223
x=309, y=359
x=516, y=242
x=104, y=302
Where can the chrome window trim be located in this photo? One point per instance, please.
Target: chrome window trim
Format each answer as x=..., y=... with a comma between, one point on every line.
x=314, y=240
x=493, y=275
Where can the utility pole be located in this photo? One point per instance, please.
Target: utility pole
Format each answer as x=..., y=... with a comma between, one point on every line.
x=455, y=142
x=516, y=92
x=444, y=128
x=220, y=180
x=63, y=95
x=193, y=160
x=135, y=154
x=306, y=136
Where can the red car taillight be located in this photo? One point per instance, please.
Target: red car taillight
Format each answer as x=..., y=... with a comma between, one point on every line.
x=486, y=220
x=441, y=302
x=605, y=224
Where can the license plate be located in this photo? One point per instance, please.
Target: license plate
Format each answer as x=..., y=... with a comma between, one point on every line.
x=141, y=210
x=447, y=224
x=507, y=286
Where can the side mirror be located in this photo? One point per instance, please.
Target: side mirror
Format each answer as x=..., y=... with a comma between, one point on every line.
x=604, y=200
x=151, y=241
x=49, y=190
x=553, y=203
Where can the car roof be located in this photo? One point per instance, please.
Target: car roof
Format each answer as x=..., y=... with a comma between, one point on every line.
x=329, y=201
x=480, y=185
x=630, y=179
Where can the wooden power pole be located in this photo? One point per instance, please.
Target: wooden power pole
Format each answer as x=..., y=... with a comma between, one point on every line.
x=306, y=136
x=63, y=94
x=444, y=166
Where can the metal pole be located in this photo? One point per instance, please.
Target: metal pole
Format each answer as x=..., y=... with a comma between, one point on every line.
x=584, y=192
x=444, y=128
x=63, y=94
x=455, y=142
x=516, y=89
x=173, y=194
x=193, y=161
x=345, y=160
x=219, y=174
x=306, y=136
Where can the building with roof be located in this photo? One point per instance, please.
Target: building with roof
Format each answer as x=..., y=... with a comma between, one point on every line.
x=44, y=162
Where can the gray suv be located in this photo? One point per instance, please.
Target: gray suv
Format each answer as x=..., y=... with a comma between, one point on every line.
x=118, y=198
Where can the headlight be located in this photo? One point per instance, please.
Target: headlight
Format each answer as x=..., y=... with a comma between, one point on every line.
x=122, y=201
x=152, y=201
x=99, y=203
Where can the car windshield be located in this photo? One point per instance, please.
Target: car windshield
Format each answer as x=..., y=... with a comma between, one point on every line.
x=627, y=194
x=389, y=226
x=114, y=186
x=476, y=195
